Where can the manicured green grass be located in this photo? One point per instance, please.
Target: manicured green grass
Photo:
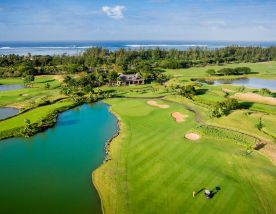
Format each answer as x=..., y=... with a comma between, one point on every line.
x=18, y=81
x=210, y=97
x=33, y=115
x=154, y=169
x=148, y=90
x=263, y=108
x=204, y=112
x=243, y=120
x=38, y=79
x=265, y=70
x=21, y=98
x=269, y=123
x=25, y=94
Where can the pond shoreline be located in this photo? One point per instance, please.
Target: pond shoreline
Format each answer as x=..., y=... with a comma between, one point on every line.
x=254, y=82
x=64, y=109
x=107, y=153
x=40, y=128
x=10, y=87
x=89, y=150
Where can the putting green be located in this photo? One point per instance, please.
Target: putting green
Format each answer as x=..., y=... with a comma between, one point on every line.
x=154, y=169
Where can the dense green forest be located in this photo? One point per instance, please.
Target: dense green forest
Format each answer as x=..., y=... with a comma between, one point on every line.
x=147, y=62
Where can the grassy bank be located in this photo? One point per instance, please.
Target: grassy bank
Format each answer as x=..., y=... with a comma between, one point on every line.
x=23, y=98
x=153, y=167
x=10, y=127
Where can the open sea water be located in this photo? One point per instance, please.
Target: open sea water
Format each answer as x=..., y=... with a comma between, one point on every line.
x=77, y=47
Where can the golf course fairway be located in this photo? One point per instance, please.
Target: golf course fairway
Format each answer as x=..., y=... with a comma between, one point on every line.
x=153, y=168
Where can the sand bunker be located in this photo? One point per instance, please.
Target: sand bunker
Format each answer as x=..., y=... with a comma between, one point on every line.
x=226, y=90
x=179, y=117
x=270, y=151
x=192, y=136
x=251, y=97
x=154, y=103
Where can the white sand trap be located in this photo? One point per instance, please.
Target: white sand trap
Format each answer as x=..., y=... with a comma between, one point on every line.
x=154, y=103
x=192, y=136
x=25, y=95
x=179, y=117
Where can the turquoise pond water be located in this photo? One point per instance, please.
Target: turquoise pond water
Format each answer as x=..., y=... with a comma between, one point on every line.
x=51, y=172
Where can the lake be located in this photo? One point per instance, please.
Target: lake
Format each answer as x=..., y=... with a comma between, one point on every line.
x=250, y=82
x=51, y=172
x=6, y=112
x=10, y=87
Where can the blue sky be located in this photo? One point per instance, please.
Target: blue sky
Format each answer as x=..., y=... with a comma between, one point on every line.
x=138, y=20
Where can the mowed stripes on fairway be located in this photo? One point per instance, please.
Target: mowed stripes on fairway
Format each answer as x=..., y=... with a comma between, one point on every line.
x=154, y=169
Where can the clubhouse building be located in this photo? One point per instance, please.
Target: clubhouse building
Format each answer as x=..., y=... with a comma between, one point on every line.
x=130, y=79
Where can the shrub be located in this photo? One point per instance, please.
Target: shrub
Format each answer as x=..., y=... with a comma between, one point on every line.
x=224, y=108
x=265, y=92
x=186, y=90
x=211, y=72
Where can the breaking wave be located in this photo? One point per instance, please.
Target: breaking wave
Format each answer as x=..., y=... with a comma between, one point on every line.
x=164, y=45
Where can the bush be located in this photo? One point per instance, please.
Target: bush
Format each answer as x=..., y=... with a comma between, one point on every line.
x=186, y=90
x=211, y=72
x=265, y=92
x=224, y=108
x=242, y=70
x=230, y=71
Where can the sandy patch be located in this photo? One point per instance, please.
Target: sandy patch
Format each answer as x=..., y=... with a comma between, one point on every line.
x=179, y=117
x=25, y=95
x=154, y=103
x=269, y=150
x=16, y=105
x=225, y=90
x=251, y=97
x=59, y=78
x=192, y=136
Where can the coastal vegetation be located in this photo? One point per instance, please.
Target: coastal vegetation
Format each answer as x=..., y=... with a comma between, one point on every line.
x=148, y=62
x=229, y=71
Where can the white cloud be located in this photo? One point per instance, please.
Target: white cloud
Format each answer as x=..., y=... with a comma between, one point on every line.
x=116, y=12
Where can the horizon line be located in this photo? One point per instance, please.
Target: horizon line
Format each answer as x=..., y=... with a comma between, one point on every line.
x=133, y=40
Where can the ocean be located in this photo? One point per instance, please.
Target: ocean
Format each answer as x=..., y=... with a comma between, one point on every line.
x=77, y=47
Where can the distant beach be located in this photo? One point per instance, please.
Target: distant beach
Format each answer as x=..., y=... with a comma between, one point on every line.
x=77, y=47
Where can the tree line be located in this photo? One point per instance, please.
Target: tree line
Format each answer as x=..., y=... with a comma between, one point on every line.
x=229, y=71
x=144, y=61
